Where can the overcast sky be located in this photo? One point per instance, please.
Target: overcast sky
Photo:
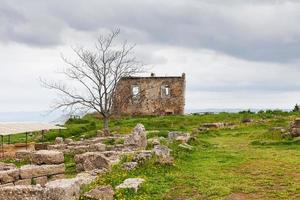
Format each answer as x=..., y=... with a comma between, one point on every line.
x=235, y=53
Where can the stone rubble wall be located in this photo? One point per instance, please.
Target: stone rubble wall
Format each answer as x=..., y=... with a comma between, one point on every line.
x=45, y=164
x=80, y=147
x=16, y=184
x=64, y=189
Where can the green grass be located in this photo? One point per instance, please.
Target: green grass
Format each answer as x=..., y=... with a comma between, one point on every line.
x=18, y=163
x=70, y=165
x=252, y=159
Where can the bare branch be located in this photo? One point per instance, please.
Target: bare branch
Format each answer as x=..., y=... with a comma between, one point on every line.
x=97, y=73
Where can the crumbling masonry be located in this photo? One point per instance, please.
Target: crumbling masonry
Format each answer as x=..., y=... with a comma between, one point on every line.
x=150, y=95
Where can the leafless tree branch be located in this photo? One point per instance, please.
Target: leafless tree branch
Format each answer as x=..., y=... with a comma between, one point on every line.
x=97, y=72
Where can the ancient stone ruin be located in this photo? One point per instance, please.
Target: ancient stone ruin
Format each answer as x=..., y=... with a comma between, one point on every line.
x=44, y=178
x=150, y=95
x=45, y=165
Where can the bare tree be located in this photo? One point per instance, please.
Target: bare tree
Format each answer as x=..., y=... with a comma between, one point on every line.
x=97, y=73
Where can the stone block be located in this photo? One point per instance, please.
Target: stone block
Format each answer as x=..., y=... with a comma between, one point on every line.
x=129, y=165
x=178, y=136
x=23, y=182
x=41, y=180
x=7, y=185
x=297, y=123
x=138, y=137
x=59, y=147
x=9, y=176
x=214, y=125
x=57, y=177
x=95, y=160
x=23, y=192
x=101, y=193
x=59, y=140
x=32, y=171
x=142, y=156
x=7, y=166
x=97, y=147
x=131, y=183
x=47, y=157
x=68, y=140
x=63, y=189
x=24, y=154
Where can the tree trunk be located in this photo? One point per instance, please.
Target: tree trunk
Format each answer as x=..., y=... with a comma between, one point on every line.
x=105, y=123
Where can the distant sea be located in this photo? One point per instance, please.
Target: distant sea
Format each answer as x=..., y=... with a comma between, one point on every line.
x=34, y=116
x=59, y=117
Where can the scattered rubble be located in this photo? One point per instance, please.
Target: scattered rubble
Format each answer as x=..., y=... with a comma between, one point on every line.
x=178, y=136
x=214, y=125
x=63, y=189
x=142, y=156
x=161, y=151
x=295, y=128
x=138, y=138
x=164, y=154
x=45, y=179
x=26, y=192
x=101, y=193
x=129, y=165
x=131, y=183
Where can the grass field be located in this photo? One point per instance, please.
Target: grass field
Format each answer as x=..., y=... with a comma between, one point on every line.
x=247, y=161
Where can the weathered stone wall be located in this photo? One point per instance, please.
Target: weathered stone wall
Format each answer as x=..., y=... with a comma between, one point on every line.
x=45, y=164
x=151, y=99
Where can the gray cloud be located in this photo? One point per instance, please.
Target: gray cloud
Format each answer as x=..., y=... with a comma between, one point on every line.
x=254, y=30
x=235, y=53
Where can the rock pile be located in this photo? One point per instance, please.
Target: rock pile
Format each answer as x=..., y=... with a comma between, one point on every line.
x=295, y=128
x=92, y=156
x=83, y=146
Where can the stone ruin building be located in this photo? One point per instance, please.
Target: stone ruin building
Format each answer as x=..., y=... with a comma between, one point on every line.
x=153, y=95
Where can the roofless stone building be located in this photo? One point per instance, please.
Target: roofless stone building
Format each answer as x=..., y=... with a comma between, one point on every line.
x=153, y=95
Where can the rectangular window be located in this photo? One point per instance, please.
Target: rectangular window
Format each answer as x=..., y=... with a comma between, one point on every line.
x=135, y=92
x=165, y=91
